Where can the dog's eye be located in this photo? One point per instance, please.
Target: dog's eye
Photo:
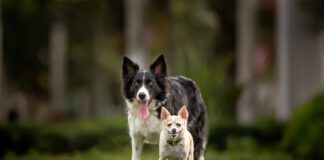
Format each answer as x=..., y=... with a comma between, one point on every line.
x=178, y=124
x=169, y=125
x=150, y=84
x=136, y=84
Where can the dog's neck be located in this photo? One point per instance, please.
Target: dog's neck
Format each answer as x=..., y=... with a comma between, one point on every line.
x=174, y=142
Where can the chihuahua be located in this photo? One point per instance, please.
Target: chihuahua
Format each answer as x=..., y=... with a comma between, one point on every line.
x=175, y=140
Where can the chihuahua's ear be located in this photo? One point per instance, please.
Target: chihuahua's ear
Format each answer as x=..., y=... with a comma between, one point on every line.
x=158, y=67
x=183, y=113
x=164, y=113
x=129, y=67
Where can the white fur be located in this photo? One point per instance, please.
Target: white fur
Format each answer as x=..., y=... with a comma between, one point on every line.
x=182, y=151
x=145, y=91
x=142, y=131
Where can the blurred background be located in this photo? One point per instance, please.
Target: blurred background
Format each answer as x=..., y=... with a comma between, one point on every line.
x=259, y=65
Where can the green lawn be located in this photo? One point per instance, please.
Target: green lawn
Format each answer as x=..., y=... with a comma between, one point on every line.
x=107, y=139
x=149, y=154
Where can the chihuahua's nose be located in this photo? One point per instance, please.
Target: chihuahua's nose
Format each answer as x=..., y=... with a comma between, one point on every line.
x=141, y=95
x=174, y=131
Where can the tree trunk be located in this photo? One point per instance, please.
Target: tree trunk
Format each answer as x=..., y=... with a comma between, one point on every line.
x=58, y=41
x=246, y=41
x=321, y=49
x=299, y=58
x=2, y=91
x=134, y=25
x=284, y=70
x=100, y=97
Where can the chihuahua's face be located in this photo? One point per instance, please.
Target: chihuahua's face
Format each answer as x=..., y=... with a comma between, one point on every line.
x=174, y=125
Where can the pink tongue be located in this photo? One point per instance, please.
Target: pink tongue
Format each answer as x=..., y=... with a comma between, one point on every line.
x=143, y=111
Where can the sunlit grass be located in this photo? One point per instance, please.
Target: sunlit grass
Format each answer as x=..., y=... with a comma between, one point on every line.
x=149, y=154
x=113, y=143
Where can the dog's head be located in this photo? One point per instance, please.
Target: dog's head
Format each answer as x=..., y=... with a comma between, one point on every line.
x=174, y=125
x=143, y=87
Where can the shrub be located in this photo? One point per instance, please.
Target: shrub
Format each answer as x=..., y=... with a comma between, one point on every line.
x=266, y=136
x=304, y=135
x=79, y=135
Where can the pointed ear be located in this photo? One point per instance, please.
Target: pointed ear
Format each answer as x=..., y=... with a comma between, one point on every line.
x=129, y=67
x=159, y=67
x=164, y=113
x=183, y=113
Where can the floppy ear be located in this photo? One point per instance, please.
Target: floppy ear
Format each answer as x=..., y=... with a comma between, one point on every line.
x=183, y=113
x=164, y=113
x=158, y=67
x=129, y=67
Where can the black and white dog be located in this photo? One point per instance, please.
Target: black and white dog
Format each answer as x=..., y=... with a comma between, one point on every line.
x=146, y=91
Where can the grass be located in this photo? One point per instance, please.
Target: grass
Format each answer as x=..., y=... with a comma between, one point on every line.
x=148, y=154
x=107, y=139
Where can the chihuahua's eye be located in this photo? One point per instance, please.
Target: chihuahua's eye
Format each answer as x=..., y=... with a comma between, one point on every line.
x=178, y=124
x=169, y=125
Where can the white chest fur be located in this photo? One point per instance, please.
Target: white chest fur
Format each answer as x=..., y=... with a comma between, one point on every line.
x=149, y=129
x=182, y=150
x=177, y=151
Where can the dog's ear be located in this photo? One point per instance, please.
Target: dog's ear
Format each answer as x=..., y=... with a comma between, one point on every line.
x=183, y=113
x=129, y=67
x=164, y=113
x=158, y=67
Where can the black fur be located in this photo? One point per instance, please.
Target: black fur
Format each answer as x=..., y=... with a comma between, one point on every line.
x=183, y=91
x=172, y=93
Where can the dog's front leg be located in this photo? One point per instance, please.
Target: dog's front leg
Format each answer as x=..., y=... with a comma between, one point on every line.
x=137, y=145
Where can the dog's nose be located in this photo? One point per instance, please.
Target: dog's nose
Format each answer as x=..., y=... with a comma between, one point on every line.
x=174, y=130
x=141, y=95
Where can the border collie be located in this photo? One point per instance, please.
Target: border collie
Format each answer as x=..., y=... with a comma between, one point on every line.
x=147, y=90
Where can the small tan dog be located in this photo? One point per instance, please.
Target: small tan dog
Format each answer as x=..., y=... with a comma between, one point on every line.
x=175, y=140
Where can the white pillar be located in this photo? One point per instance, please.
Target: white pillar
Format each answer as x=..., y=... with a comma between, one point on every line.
x=321, y=50
x=284, y=18
x=58, y=41
x=246, y=40
x=134, y=26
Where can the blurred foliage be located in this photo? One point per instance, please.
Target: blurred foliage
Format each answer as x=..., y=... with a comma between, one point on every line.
x=25, y=45
x=124, y=154
x=304, y=133
x=27, y=27
x=314, y=9
x=193, y=40
x=77, y=135
x=255, y=155
x=247, y=148
x=225, y=15
x=109, y=136
x=198, y=39
x=222, y=137
x=186, y=32
x=94, y=154
x=218, y=89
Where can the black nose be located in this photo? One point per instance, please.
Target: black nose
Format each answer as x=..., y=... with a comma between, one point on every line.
x=141, y=96
x=174, y=130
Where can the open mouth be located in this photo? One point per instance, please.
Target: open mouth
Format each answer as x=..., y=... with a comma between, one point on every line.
x=141, y=102
x=143, y=111
x=173, y=135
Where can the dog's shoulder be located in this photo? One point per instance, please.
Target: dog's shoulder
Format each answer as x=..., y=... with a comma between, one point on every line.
x=183, y=91
x=182, y=80
x=184, y=84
